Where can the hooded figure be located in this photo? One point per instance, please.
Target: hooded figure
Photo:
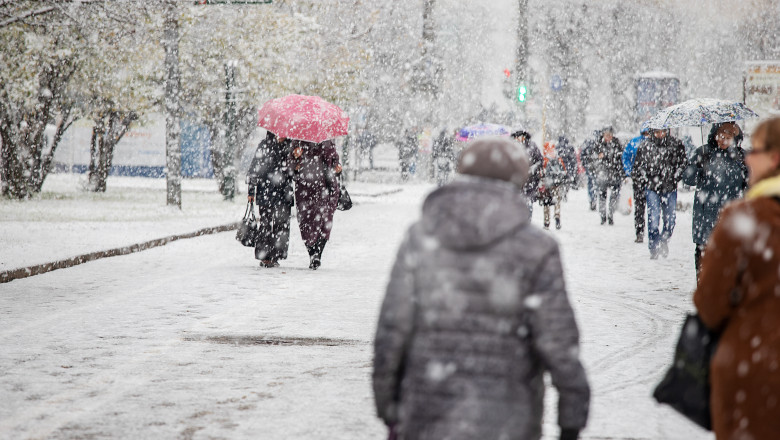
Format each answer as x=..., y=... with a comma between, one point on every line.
x=536, y=167
x=475, y=312
x=718, y=171
x=271, y=187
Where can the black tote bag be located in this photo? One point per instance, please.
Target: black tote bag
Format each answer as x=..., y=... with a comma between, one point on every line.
x=345, y=201
x=686, y=386
x=247, y=229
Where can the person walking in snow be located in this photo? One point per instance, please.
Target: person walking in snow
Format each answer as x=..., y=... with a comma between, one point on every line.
x=659, y=164
x=588, y=162
x=475, y=312
x=567, y=153
x=365, y=143
x=639, y=188
x=443, y=156
x=407, y=153
x=553, y=185
x=536, y=169
x=316, y=172
x=718, y=171
x=271, y=189
x=737, y=295
x=606, y=161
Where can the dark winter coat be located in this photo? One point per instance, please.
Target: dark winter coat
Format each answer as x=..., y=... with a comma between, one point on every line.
x=316, y=172
x=269, y=176
x=407, y=148
x=719, y=176
x=738, y=294
x=569, y=156
x=444, y=147
x=586, y=153
x=535, y=171
x=607, y=170
x=475, y=312
x=659, y=164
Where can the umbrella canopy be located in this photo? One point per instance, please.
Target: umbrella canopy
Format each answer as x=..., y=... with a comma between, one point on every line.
x=480, y=130
x=698, y=112
x=305, y=118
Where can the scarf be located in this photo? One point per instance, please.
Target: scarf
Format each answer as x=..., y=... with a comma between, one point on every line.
x=769, y=187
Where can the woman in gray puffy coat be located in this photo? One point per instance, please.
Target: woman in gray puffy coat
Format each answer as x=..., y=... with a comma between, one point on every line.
x=475, y=312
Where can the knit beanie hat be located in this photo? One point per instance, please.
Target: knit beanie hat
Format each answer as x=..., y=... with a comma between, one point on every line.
x=495, y=158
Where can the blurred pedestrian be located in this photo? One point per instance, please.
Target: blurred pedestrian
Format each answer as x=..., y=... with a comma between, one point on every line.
x=365, y=143
x=271, y=189
x=738, y=296
x=407, y=153
x=659, y=165
x=607, y=164
x=553, y=186
x=316, y=172
x=536, y=169
x=443, y=155
x=568, y=154
x=475, y=311
x=718, y=171
x=588, y=162
x=639, y=188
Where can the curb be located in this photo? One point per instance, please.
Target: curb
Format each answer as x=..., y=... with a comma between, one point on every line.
x=38, y=269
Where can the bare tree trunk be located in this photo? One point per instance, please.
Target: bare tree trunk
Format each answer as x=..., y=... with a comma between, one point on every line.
x=108, y=131
x=22, y=131
x=172, y=92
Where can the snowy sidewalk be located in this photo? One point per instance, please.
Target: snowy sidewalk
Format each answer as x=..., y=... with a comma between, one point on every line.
x=193, y=340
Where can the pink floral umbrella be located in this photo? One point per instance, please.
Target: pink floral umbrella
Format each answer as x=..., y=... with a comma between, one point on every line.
x=301, y=117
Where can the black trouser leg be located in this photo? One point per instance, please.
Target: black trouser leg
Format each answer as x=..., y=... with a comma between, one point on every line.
x=698, y=252
x=603, y=202
x=265, y=220
x=281, y=231
x=640, y=202
x=613, y=199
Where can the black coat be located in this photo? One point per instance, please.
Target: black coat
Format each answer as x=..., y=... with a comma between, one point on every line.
x=535, y=170
x=569, y=156
x=659, y=164
x=269, y=177
x=605, y=162
x=719, y=176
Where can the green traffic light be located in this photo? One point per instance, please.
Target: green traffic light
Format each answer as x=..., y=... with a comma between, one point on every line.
x=521, y=92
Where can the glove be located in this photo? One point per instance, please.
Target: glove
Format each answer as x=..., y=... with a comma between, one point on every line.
x=569, y=434
x=250, y=199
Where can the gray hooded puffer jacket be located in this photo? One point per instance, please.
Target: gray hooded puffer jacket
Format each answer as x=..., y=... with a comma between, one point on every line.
x=475, y=312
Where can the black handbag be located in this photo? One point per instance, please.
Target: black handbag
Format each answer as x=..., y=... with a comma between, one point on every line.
x=686, y=386
x=247, y=229
x=345, y=201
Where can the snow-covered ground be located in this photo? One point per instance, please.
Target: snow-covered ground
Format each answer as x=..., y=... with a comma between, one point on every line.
x=173, y=342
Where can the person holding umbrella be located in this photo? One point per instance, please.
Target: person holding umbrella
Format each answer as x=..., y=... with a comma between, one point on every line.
x=311, y=123
x=271, y=189
x=737, y=296
x=639, y=188
x=718, y=171
x=316, y=172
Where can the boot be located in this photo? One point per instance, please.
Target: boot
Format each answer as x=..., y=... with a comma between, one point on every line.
x=593, y=205
x=603, y=219
x=610, y=221
x=640, y=237
x=557, y=223
x=315, y=254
